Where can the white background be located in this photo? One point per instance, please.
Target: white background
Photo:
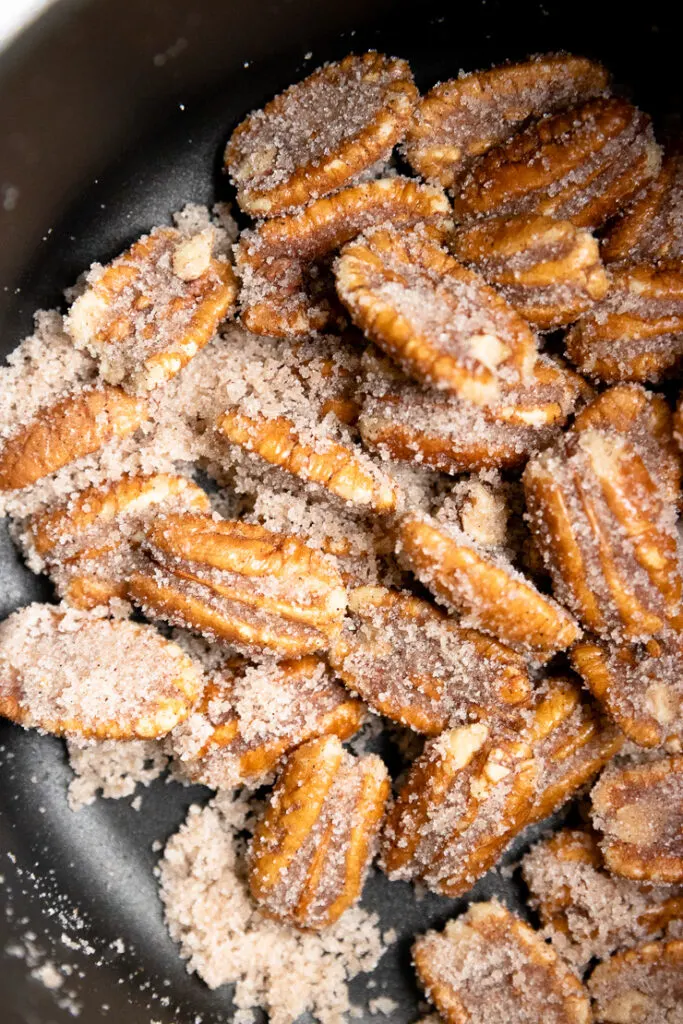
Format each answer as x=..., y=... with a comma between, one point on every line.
x=15, y=13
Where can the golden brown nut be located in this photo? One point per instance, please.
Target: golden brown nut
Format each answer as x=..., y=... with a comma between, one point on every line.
x=571, y=742
x=636, y=332
x=639, y=986
x=459, y=120
x=438, y=319
x=75, y=426
x=72, y=674
x=411, y=663
x=153, y=308
x=406, y=422
x=488, y=965
x=312, y=848
x=639, y=810
x=240, y=583
x=278, y=262
x=580, y=165
x=645, y=419
x=607, y=536
x=320, y=134
x=588, y=912
x=250, y=716
x=549, y=270
x=87, y=543
x=483, y=586
x=464, y=799
x=641, y=687
x=651, y=227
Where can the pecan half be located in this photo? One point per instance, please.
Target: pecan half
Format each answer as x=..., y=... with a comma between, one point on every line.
x=237, y=582
x=639, y=986
x=464, y=798
x=460, y=119
x=75, y=426
x=438, y=319
x=639, y=810
x=636, y=332
x=320, y=134
x=580, y=165
x=651, y=227
x=312, y=848
x=71, y=674
x=87, y=544
x=607, y=534
x=250, y=716
x=549, y=270
x=412, y=664
x=153, y=308
x=483, y=586
x=489, y=965
x=279, y=261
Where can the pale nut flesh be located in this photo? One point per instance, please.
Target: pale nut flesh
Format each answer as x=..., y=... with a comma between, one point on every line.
x=639, y=986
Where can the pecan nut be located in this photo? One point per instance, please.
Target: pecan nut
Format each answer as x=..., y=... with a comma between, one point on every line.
x=237, y=582
x=312, y=848
x=639, y=986
x=639, y=810
x=489, y=965
x=75, y=426
x=636, y=332
x=279, y=261
x=439, y=320
x=286, y=154
x=580, y=165
x=651, y=227
x=250, y=716
x=71, y=674
x=412, y=664
x=549, y=270
x=153, y=308
x=460, y=119
x=483, y=586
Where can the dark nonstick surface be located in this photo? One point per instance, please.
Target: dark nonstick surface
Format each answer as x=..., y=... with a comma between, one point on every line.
x=113, y=114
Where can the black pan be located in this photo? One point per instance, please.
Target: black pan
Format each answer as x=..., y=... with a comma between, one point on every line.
x=113, y=113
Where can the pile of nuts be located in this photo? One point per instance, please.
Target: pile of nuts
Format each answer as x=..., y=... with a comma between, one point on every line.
x=530, y=625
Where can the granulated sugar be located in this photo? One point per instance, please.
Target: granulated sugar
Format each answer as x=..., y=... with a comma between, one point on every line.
x=226, y=941
x=112, y=769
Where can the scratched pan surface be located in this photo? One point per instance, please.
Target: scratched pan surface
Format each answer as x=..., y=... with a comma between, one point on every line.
x=112, y=114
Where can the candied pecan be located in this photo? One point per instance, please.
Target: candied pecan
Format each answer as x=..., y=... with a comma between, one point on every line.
x=639, y=810
x=651, y=227
x=72, y=674
x=641, y=687
x=409, y=423
x=438, y=319
x=153, y=308
x=321, y=134
x=464, y=798
x=75, y=426
x=639, y=986
x=312, y=847
x=412, y=664
x=237, y=582
x=571, y=741
x=607, y=535
x=580, y=165
x=549, y=270
x=636, y=332
x=587, y=911
x=87, y=543
x=489, y=965
x=278, y=262
x=460, y=119
x=646, y=420
x=483, y=586
x=250, y=716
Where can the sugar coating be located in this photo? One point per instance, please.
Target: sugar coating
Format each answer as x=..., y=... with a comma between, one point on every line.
x=651, y=226
x=225, y=939
x=112, y=769
x=640, y=986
